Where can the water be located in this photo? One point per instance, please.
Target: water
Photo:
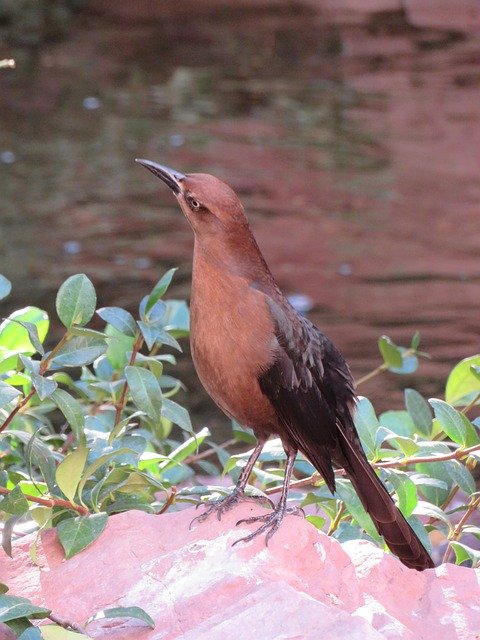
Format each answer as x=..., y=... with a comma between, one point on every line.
x=352, y=138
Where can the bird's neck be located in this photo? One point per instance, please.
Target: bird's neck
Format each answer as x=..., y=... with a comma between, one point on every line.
x=235, y=256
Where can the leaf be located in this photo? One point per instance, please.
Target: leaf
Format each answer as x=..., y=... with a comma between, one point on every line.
x=367, y=424
x=14, y=336
x=317, y=521
x=347, y=493
x=450, y=421
x=96, y=464
x=69, y=471
x=33, y=336
x=185, y=449
x=32, y=633
x=409, y=363
x=427, y=509
x=391, y=354
x=14, y=607
x=72, y=410
x=77, y=533
x=76, y=301
x=419, y=411
x=463, y=553
x=462, y=384
x=80, y=351
x=54, y=632
x=119, y=318
x=5, y=287
x=399, y=422
x=154, y=332
x=43, y=386
x=145, y=391
x=159, y=289
x=7, y=393
x=176, y=414
x=405, y=489
x=14, y=502
x=7, y=533
x=406, y=445
x=124, y=612
x=415, y=340
x=461, y=476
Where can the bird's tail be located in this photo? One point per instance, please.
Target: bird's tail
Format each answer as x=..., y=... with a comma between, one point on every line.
x=388, y=520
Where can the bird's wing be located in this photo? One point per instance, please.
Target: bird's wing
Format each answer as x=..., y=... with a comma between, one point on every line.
x=310, y=386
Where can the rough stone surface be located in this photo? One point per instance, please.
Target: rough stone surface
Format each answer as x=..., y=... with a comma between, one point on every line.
x=196, y=586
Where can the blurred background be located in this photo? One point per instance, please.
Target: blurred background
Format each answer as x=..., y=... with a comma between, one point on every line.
x=351, y=131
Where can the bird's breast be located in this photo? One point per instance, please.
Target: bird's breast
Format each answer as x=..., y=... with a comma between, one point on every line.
x=231, y=339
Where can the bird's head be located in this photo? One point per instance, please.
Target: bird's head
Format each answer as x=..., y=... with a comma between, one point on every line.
x=209, y=204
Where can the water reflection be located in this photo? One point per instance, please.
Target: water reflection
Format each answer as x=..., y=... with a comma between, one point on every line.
x=352, y=139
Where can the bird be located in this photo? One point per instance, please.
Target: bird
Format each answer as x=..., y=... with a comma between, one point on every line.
x=270, y=368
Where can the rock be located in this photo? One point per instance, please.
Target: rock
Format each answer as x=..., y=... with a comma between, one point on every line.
x=196, y=586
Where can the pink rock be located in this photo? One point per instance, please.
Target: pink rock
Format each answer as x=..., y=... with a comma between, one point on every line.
x=196, y=586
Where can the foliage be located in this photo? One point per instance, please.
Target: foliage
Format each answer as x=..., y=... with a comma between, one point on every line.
x=86, y=431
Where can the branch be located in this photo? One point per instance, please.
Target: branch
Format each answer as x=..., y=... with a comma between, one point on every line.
x=457, y=532
x=51, y=502
x=123, y=396
x=19, y=406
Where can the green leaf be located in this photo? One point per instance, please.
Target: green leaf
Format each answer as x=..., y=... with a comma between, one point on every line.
x=464, y=553
x=119, y=345
x=76, y=301
x=317, y=521
x=15, y=337
x=13, y=607
x=185, y=449
x=409, y=363
x=155, y=333
x=176, y=414
x=14, y=502
x=419, y=411
x=99, y=462
x=367, y=424
x=391, y=354
x=462, y=384
x=145, y=391
x=155, y=365
x=405, y=489
x=450, y=420
x=54, y=632
x=77, y=533
x=7, y=532
x=406, y=445
x=431, y=511
x=399, y=422
x=461, y=476
x=33, y=336
x=43, y=386
x=124, y=612
x=415, y=340
x=7, y=394
x=80, y=351
x=31, y=633
x=3, y=588
x=120, y=319
x=69, y=471
x=346, y=492
x=5, y=287
x=72, y=410
x=159, y=289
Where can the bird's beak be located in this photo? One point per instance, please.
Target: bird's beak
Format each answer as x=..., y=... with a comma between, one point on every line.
x=171, y=177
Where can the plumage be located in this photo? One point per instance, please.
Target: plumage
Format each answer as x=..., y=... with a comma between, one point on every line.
x=270, y=368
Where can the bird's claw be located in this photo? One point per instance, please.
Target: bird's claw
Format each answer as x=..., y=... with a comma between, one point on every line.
x=271, y=522
x=221, y=505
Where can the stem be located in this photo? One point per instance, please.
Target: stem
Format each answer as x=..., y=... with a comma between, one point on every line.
x=45, y=363
x=471, y=404
x=457, y=532
x=380, y=369
x=66, y=624
x=170, y=500
x=51, y=502
x=458, y=454
x=123, y=396
x=208, y=452
x=19, y=406
x=336, y=521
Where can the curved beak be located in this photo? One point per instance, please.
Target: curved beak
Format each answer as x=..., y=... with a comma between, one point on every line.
x=171, y=177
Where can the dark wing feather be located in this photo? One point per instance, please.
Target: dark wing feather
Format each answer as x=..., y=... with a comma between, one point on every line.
x=311, y=388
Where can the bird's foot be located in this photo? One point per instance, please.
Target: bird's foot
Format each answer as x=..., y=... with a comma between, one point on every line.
x=221, y=505
x=271, y=522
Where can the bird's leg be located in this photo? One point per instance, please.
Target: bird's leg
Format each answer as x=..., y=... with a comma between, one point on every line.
x=272, y=521
x=221, y=505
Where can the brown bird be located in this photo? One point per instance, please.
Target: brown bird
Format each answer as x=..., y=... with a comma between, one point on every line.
x=268, y=367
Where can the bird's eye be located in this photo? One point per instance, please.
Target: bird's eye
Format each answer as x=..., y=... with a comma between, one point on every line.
x=193, y=203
